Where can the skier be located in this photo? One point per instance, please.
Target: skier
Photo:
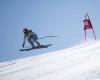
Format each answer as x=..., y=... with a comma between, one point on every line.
x=31, y=38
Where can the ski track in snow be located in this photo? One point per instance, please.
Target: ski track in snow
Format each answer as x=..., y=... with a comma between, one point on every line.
x=80, y=62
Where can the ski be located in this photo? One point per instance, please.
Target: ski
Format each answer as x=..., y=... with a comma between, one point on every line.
x=38, y=47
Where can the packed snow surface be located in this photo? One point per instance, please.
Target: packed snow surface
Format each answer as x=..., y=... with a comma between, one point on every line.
x=81, y=62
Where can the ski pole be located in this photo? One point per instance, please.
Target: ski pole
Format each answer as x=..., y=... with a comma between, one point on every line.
x=47, y=37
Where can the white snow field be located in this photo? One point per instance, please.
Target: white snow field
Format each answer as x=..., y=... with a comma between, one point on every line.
x=81, y=62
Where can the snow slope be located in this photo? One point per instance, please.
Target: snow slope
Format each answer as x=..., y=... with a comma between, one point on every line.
x=81, y=62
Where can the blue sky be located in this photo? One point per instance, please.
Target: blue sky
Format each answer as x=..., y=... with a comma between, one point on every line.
x=63, y=18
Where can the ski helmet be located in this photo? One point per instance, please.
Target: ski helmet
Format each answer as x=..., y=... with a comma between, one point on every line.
x=25, y=30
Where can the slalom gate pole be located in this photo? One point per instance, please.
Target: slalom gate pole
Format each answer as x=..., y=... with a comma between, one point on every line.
x=85, y=35
x=94, y=33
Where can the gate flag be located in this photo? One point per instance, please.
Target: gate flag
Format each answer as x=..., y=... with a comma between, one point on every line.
x=88, y=25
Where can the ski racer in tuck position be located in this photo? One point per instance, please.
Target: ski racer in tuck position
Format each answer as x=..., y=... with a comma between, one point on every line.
x=32, y=38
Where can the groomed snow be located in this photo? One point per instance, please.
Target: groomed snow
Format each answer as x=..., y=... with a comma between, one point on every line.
x=81, y=62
